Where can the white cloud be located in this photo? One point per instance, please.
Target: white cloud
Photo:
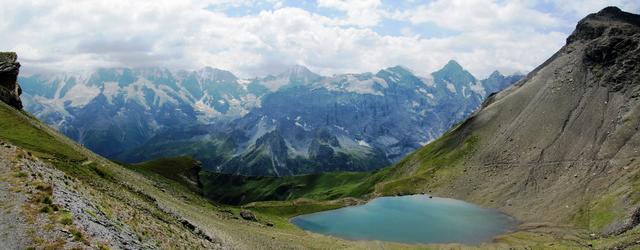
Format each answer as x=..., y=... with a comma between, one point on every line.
x=361, y=13
x=69, y=35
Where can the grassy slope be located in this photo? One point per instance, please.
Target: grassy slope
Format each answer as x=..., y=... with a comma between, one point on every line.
x=243, y=189
x=34, y=137
x=178, y=169
x=120, y=193
x=168, y=166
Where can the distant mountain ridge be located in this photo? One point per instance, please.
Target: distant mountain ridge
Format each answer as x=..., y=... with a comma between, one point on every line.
x=295, y=122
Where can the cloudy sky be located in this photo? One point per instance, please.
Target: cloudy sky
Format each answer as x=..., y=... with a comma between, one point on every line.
x=255, y=38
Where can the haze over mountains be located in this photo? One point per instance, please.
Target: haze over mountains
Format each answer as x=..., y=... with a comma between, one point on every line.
x=295, y=122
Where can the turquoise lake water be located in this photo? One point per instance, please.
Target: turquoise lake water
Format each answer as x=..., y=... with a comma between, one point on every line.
x=410, y=219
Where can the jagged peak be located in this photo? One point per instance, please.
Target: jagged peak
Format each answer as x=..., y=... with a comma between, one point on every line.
x=594, y=25
x=453, y=65
x=400, y=69
x=496, y=74
x=615, y=13
x=215, y=73
x=297, y=70
x=454, y=72
x=212, y=70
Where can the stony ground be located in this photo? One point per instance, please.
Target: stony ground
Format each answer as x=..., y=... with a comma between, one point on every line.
x=42, y=209
x=12, y=223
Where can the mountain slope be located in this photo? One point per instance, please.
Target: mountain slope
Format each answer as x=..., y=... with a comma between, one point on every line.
x=562, y=146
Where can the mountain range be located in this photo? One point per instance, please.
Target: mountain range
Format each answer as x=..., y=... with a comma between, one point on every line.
x=295, y=122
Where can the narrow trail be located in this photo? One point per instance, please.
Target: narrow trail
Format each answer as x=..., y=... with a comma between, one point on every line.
x=12, y=223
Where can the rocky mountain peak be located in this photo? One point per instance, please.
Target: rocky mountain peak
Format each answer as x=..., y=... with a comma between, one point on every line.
x=9, y=89
x=453, y=65
x=123, y=76
x=608, y=40
x=299, y=74
x=610, y=21
x=496, y=75
x=297, y=69
x=400, y=70
x=216, y=74
x=453, y=72
x=614, y=13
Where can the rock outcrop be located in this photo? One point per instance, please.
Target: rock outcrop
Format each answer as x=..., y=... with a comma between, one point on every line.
x=9, y=89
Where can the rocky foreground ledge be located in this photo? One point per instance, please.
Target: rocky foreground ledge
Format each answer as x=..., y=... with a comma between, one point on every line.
x=9, y=89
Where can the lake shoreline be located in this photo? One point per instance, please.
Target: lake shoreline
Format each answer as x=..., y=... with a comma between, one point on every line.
x=503, y=223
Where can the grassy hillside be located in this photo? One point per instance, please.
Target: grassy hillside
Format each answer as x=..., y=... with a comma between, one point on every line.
x=20, y=130
x=157, y=211
x=183, y=170
x=232, y=189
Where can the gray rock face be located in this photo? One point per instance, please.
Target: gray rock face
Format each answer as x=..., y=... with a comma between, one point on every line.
x=9, y=89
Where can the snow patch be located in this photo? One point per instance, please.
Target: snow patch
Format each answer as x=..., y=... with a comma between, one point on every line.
x=244, y=83
x=275, y=84
x=364, y=86
x=451, y=87
x=205, y=111
x=134, y=93
x=109, y=90
x=80, y=95
x=363, y=143
x=428, y=81
x=478, y=88
x=361, y=84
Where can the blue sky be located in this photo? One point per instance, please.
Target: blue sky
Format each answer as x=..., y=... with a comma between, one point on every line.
x=254, y=38
x=388, y=26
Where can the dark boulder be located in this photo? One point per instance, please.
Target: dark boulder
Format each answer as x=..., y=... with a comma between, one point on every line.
x=248, y=215
x=9, y=89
